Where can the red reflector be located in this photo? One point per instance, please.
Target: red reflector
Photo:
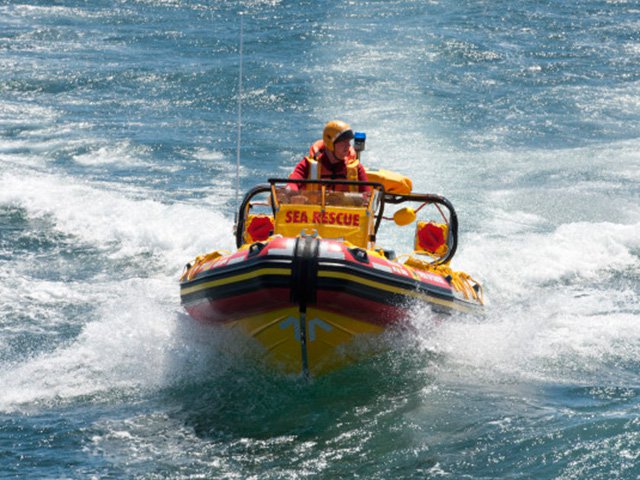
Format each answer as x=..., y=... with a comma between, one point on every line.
x=260, y=228
x=431, y=237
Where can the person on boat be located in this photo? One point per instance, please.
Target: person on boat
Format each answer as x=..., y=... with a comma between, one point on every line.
x=332, y=158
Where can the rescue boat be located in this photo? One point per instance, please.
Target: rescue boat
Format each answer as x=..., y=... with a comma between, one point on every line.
x=308, y=278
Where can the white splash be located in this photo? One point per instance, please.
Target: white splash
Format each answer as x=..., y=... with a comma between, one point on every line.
x=109, y=219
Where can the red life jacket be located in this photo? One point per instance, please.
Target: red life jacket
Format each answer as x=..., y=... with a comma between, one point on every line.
x=317, y=171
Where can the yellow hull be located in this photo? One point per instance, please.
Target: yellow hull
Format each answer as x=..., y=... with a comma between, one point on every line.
x=312, y=342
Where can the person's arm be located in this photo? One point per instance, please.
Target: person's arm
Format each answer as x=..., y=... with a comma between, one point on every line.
x=362, y=176
x=301, y=172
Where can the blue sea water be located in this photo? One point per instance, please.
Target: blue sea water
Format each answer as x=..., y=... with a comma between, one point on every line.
x=118, y=137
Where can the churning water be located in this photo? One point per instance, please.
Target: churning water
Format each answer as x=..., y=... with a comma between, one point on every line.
x=117, y=166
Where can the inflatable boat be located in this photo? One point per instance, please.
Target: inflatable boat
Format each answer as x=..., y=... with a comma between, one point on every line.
x=308, y=277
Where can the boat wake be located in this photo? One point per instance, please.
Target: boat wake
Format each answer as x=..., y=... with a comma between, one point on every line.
x=563, y=308
x=562, y=304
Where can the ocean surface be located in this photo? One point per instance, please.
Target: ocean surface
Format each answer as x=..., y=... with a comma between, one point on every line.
x=118, y=142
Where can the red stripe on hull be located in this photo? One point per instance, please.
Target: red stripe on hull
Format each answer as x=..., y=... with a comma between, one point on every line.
x=360, y=308
x=240, y=306
x=269, y=299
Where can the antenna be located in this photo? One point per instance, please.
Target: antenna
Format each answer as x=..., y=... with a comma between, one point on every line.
x=239, y=118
